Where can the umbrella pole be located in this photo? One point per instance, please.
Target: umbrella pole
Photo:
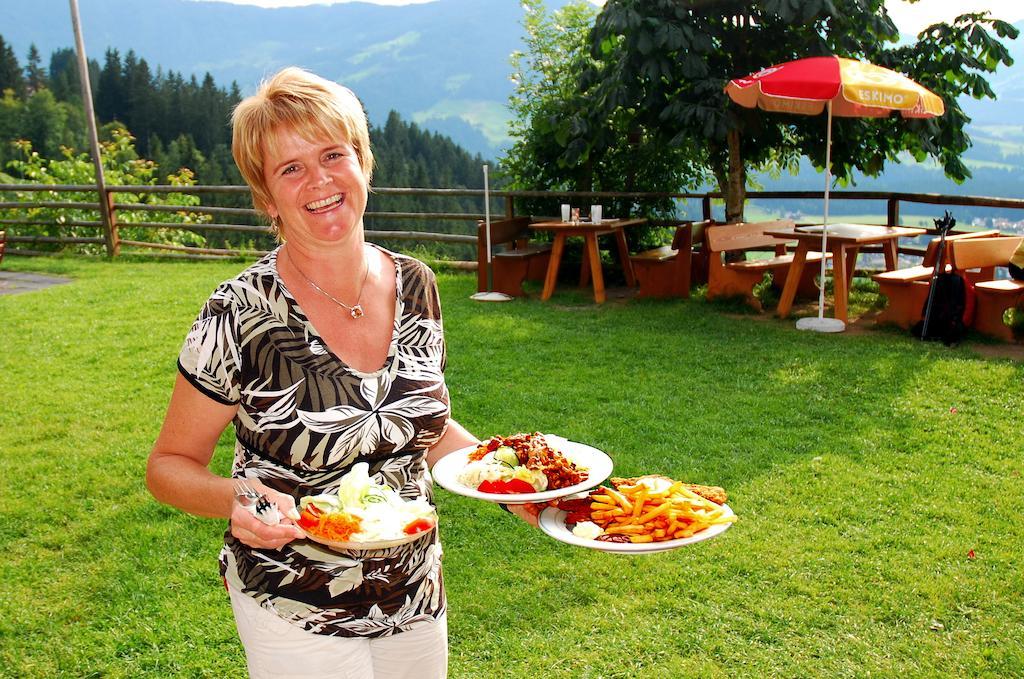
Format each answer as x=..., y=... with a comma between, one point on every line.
x=822, y=324
x=824, y=225
x=487, y=228
x=489, y=296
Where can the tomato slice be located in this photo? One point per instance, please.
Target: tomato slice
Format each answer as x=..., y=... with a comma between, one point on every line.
x=418, y=526
x=308, y=519
x=488, y=487
x=519, y=486
x=513, y=486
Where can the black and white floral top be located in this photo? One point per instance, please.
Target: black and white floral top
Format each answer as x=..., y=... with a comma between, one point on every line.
x=304, y=418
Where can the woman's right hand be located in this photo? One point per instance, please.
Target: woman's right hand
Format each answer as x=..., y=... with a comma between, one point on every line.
x=252, y=532
x=528, y=512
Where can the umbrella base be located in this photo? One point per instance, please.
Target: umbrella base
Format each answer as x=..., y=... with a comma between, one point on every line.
x=490, y=297
x=817, y=324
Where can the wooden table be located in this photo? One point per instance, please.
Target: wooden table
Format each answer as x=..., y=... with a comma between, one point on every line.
x=844, y=242
x=591, y=268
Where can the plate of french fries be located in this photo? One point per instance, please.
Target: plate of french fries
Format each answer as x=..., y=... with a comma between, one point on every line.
x=640, y=515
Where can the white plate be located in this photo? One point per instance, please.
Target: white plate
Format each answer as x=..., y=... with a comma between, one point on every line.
x=364, y=546
x=552, y=522
x=597, y=463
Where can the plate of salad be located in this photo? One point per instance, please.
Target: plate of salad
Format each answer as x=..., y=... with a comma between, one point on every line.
x=522, y=468
x=363, y=514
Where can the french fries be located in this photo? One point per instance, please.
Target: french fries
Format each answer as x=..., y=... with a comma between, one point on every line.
x=654, y=510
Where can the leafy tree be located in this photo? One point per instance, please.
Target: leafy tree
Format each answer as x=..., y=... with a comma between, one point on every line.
x=564, y=138
x=665, y=64
x=44, y=124
x=10, y=123
x=42, y=120
x=181, y=153
x=121, y=166
x=547, y=97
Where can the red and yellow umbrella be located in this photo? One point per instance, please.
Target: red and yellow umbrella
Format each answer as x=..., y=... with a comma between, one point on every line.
x=841, y=87
x=852, y=89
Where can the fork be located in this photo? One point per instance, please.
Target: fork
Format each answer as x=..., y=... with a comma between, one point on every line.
x=244, y=493
x=256, y=503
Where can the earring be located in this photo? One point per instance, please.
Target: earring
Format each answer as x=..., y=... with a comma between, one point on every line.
x=275, y=226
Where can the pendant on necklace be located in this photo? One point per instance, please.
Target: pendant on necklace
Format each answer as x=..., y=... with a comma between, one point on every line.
x=357, y=311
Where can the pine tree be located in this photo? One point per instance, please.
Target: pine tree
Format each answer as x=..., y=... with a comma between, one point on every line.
x=11, y=76
x=35, y=75
x=140, y=104
x=110, y=88
x=185, y=123
x=64, y=81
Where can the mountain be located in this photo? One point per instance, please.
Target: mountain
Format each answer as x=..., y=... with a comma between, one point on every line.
x=443, y=65
x=1008, y=83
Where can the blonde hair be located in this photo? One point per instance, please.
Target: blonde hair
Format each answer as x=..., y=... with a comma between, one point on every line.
x=314, y=107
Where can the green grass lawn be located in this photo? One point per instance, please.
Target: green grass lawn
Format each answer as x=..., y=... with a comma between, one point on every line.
x=877, y=480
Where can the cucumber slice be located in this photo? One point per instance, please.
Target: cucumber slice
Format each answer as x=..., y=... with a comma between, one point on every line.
x=507, y=456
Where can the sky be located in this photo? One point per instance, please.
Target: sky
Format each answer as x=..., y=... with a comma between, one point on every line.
x=909, y=17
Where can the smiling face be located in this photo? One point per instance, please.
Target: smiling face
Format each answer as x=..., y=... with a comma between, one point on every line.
x=318, y=190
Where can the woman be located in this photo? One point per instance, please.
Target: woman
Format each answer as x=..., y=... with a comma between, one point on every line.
x=327, y=352
x=1016, y=265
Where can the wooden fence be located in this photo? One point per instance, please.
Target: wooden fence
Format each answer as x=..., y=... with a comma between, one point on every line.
x=107, y=234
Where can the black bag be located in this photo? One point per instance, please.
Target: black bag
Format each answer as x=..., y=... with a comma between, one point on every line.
x=950, y=312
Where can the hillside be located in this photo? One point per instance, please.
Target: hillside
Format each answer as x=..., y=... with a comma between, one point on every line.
x=443, y=65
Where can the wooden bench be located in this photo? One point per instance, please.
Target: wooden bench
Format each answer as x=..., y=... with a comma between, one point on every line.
x=738, y=278
x=518, y=260
x=978, y=259
x=907, y=289
x=662, y=272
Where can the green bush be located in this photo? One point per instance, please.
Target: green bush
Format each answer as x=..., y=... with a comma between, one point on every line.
x=121, y=167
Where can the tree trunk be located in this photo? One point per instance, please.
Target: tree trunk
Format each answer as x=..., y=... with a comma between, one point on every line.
x=736, y=188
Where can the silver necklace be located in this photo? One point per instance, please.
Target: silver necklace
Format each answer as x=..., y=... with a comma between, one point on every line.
x=356, y=310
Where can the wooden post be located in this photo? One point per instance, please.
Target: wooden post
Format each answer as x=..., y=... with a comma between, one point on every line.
x=893, y=212
x=113, y=242
x=510, y=207
x=706, y=206
x=106, y=200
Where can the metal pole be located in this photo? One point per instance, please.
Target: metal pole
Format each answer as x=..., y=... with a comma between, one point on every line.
x=822, y=324
x=824, y=226
x=487, y=223
x=110, y=227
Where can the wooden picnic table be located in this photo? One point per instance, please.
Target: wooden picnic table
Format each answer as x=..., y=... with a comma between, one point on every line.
x=591, y=267
x=844, y=242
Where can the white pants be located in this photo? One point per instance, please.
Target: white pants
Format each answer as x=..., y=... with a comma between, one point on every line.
x=279, y=650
